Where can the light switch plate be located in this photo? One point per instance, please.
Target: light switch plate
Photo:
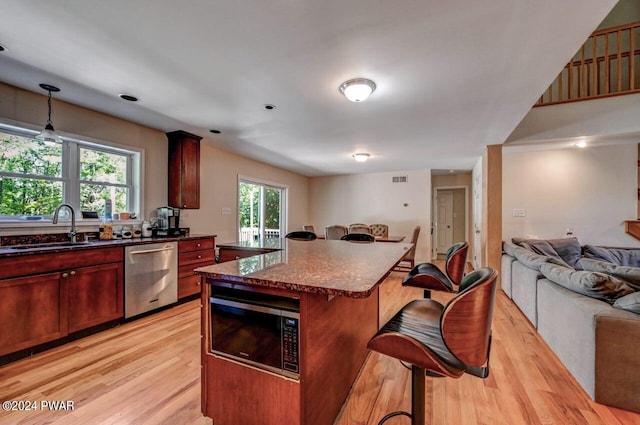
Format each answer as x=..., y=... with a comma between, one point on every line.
x=519, y=212
x=226, y=211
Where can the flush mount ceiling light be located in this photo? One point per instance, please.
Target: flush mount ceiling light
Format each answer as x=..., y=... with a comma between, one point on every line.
x=214, y=131
x=361, y=157
x=49, y=135
x=358, y=89
x=581, y=144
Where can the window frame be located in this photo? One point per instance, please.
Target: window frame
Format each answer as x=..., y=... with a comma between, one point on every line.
x=70, y=177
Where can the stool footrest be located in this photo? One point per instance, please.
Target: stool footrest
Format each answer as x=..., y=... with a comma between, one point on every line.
x=392, y=415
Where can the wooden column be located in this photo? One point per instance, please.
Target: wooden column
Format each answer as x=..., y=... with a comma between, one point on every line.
x=493, y=216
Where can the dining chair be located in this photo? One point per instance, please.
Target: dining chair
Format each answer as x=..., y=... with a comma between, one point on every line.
x=360, y=228
x=335, y=231
x=411, y=254
x=441, y=340
x=380, y=230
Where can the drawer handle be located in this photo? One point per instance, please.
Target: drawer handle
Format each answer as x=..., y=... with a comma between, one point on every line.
x=65, y=274
x=73, y=273
x=199, y=257
x=198, y=245
x=198, y=283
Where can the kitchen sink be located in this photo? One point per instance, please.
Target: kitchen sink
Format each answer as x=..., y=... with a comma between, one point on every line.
x=48, y=245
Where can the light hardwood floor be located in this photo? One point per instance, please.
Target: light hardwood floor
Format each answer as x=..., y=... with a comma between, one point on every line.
x=148, y=372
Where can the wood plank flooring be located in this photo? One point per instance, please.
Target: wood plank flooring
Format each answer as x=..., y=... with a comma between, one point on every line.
x=148, y=372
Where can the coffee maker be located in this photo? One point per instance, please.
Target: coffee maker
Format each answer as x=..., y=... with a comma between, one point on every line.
x=168, y=222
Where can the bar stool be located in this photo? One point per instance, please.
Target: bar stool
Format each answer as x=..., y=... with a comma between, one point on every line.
x=429, y=276
x=441, y=340
x=301, y=235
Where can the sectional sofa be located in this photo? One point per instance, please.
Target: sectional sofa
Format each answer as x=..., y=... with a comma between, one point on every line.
x=585, y=303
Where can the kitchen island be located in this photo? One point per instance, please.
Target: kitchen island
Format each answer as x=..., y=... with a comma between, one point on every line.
x=334, y=285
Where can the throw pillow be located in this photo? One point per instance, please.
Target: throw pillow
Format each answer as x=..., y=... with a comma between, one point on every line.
x=631, y=275
x=629, y=302
x=529, y=258
x=620, y=256
x=592, y=284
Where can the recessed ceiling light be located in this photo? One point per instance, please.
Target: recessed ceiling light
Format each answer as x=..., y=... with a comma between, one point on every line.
x=361, y=156
x=357, y=89
x=581, y=144
x=128, y=97
x=214, y=131
x=269, y=106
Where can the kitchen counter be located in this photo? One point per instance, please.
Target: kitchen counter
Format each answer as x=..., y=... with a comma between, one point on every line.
x=336, y=285
x=31, y=249
x=327, y=267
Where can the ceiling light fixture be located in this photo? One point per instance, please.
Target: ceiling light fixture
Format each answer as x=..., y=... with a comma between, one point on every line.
x=49, y=135
x=361, y=157
x=214, y=131
x=358, y=89
x=581, y=144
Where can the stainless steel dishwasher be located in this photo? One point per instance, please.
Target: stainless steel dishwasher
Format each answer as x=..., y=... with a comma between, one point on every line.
x=150, y=277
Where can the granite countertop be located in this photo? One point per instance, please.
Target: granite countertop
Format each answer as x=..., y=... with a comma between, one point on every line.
x=20, y=250
x=321, y=266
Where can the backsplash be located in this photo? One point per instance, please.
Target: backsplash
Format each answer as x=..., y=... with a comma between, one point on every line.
x=43, y=238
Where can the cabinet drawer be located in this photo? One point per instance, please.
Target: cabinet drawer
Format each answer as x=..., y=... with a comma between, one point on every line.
x=188, y=285
x=196, y=244
x=196, y=257
x=187, y=269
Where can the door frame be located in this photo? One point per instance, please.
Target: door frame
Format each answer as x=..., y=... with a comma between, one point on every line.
x=434, y=214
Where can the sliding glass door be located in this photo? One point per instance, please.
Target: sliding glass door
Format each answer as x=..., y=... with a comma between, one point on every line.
x=260, y=210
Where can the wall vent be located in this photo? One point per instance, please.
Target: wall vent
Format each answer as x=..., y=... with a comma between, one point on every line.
x=399, y=179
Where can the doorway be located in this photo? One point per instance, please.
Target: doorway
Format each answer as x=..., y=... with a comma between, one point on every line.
x=451, y=220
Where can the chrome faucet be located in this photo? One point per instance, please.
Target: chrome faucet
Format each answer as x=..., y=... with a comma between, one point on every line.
x=74, y=231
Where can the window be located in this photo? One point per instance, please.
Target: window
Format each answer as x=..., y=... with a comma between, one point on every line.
x=35, y=176
x=261, y=210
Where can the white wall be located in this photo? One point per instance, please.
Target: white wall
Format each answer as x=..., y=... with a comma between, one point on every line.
x=591, y=191
x=219, y=189
x=373, y=198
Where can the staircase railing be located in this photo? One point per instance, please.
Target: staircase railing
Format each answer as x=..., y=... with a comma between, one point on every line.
x=607, y=64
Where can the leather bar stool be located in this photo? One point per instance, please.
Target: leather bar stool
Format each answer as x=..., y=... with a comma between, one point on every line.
x=301, y=235
x=441, y=340
x=429, y=276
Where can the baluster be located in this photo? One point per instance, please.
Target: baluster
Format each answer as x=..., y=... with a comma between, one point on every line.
x=594, y=62
x=619, y=65
x=632, y=59
x=606, y=63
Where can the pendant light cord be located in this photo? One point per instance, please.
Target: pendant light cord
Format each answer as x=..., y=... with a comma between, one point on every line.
x=49, y=103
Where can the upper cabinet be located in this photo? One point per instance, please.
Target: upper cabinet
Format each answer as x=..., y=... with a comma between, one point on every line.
x=184, y=170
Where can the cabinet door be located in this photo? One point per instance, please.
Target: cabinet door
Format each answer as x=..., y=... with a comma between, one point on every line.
x=95, y=295
x=184, y=170
x=31, y=311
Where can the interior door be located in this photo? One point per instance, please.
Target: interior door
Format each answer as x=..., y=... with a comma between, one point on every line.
x=444, y=225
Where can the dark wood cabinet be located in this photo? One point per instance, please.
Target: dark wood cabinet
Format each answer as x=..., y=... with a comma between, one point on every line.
x=32, y=311
x=52, y=295
x=95, y=295
x=184, y=170
x=193, y=253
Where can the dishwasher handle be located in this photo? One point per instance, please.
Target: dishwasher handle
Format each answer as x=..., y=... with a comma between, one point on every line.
x=151, y=251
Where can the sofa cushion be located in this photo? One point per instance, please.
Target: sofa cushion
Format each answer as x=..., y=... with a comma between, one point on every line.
x=629, y=302
x=619, y=256
x=631, y=275
x=566, y=249
x=528, y=258
x=592, y=284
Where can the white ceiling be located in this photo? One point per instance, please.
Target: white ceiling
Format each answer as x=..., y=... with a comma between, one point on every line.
x=453, y=76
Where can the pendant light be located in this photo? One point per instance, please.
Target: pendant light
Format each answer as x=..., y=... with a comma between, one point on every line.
x=49, y=135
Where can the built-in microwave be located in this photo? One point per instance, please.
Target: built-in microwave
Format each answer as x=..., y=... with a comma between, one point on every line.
x=256, y=328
